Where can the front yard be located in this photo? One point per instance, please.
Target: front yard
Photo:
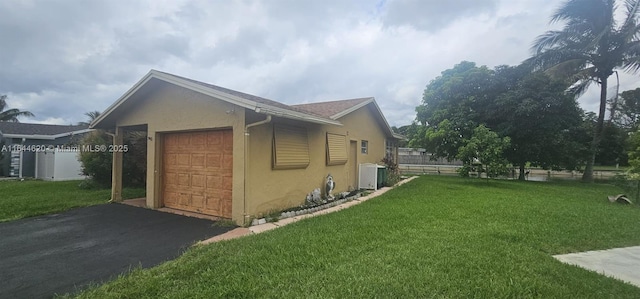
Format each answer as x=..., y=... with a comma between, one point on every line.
x=435, y=237
x=20, y=199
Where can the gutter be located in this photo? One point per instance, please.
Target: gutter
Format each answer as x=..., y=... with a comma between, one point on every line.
x=246, y=159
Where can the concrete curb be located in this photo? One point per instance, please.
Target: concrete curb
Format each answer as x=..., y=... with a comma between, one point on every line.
x=260, y=228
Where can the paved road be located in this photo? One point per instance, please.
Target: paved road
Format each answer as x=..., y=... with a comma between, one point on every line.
x=55, y=254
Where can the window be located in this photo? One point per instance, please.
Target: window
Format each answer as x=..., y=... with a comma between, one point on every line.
x=290, y=147
x=364, y=146
x=336, y=149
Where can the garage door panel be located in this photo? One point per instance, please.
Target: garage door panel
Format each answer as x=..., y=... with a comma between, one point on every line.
x=184, y=159
x=183, y=180
x=214, y=182
x=214, y=139
x=227, y=183
x=197, y=169
x=198, y=160
x=197, y=201
x=214, y=160
x=198, y=181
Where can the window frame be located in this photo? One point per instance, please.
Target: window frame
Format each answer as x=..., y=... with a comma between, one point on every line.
x=364, y=147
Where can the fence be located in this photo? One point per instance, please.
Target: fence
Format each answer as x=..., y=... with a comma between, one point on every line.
x=534, y=174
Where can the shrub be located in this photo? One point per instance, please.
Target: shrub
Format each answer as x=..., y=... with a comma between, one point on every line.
x=98, y=164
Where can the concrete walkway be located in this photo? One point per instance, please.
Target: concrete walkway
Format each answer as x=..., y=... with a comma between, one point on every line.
x=620, y=263
x=256, y=229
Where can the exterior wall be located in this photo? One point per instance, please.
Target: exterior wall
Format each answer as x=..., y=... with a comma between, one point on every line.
x=173, y=109
x=270, y=190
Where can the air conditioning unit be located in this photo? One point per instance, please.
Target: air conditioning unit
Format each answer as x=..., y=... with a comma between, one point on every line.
x=368, y=176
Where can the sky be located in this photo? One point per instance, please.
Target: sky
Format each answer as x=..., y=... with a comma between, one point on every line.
x=62, y=58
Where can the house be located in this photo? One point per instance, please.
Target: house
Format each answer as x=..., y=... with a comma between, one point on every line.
x=19, y=143
x=225, y=153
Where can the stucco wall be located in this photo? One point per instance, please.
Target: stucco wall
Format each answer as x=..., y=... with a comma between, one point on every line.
x=173, y=109
x=271, y=190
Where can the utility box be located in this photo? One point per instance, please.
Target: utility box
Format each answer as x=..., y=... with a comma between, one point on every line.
x=368, y=176
x=55, y=165
x=382, y=176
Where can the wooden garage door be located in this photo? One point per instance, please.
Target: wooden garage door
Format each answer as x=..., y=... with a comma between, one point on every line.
x=197, y=170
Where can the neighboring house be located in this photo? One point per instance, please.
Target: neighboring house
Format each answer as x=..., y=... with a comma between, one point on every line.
x=221, y=152
x=20, y=141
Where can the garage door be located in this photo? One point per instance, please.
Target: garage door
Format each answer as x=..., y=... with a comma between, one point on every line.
x=197, y=172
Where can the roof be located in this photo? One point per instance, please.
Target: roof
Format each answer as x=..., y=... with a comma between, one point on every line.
x=334, y=109
x=39, y=131
x=320, y=113
x=244, y=100
x=246, y=96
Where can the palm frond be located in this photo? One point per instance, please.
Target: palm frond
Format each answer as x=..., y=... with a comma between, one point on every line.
x=12, y=115
x=632, y=12
x=579, y=88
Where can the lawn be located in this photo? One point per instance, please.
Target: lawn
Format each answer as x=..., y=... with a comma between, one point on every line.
x=20, y=199
x=435, y=237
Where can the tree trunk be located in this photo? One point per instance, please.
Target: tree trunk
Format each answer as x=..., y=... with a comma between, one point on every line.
x=521, y=175
x=597, y=132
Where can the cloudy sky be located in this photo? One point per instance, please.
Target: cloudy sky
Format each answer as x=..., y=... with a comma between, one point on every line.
x=62, y=58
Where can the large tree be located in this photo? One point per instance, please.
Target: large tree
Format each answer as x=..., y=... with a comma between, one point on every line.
x=11, y=115
x=453, y=105
x=543, y=123
x=588, y=49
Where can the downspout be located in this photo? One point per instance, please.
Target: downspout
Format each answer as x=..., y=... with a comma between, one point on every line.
x=246, y=159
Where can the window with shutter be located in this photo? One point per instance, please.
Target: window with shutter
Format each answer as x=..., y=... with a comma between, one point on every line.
x=336, y=149
x=290, y=147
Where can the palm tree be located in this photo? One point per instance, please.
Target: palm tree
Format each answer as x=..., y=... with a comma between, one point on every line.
x=92, y=115
x=11, y=115
x=590, y=48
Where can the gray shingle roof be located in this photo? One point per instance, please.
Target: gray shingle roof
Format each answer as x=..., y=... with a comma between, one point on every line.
x=37, y=129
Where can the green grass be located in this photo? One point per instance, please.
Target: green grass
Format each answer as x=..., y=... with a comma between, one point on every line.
x=20, y=199
x=435, y=237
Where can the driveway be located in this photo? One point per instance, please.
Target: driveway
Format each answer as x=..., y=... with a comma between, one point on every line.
x=56, y=254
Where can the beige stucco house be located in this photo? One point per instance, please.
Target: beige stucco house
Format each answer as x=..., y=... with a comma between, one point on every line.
x=220, y=152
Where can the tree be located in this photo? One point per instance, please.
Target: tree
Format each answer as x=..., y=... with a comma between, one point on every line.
x=92, y=115
x=628, y=110
x=542, y=121
x=11, y=115
x=453, y=105
x=486, y=148
x=589, y=48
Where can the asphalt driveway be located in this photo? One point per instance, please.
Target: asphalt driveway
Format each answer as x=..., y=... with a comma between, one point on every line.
x=56, y=254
